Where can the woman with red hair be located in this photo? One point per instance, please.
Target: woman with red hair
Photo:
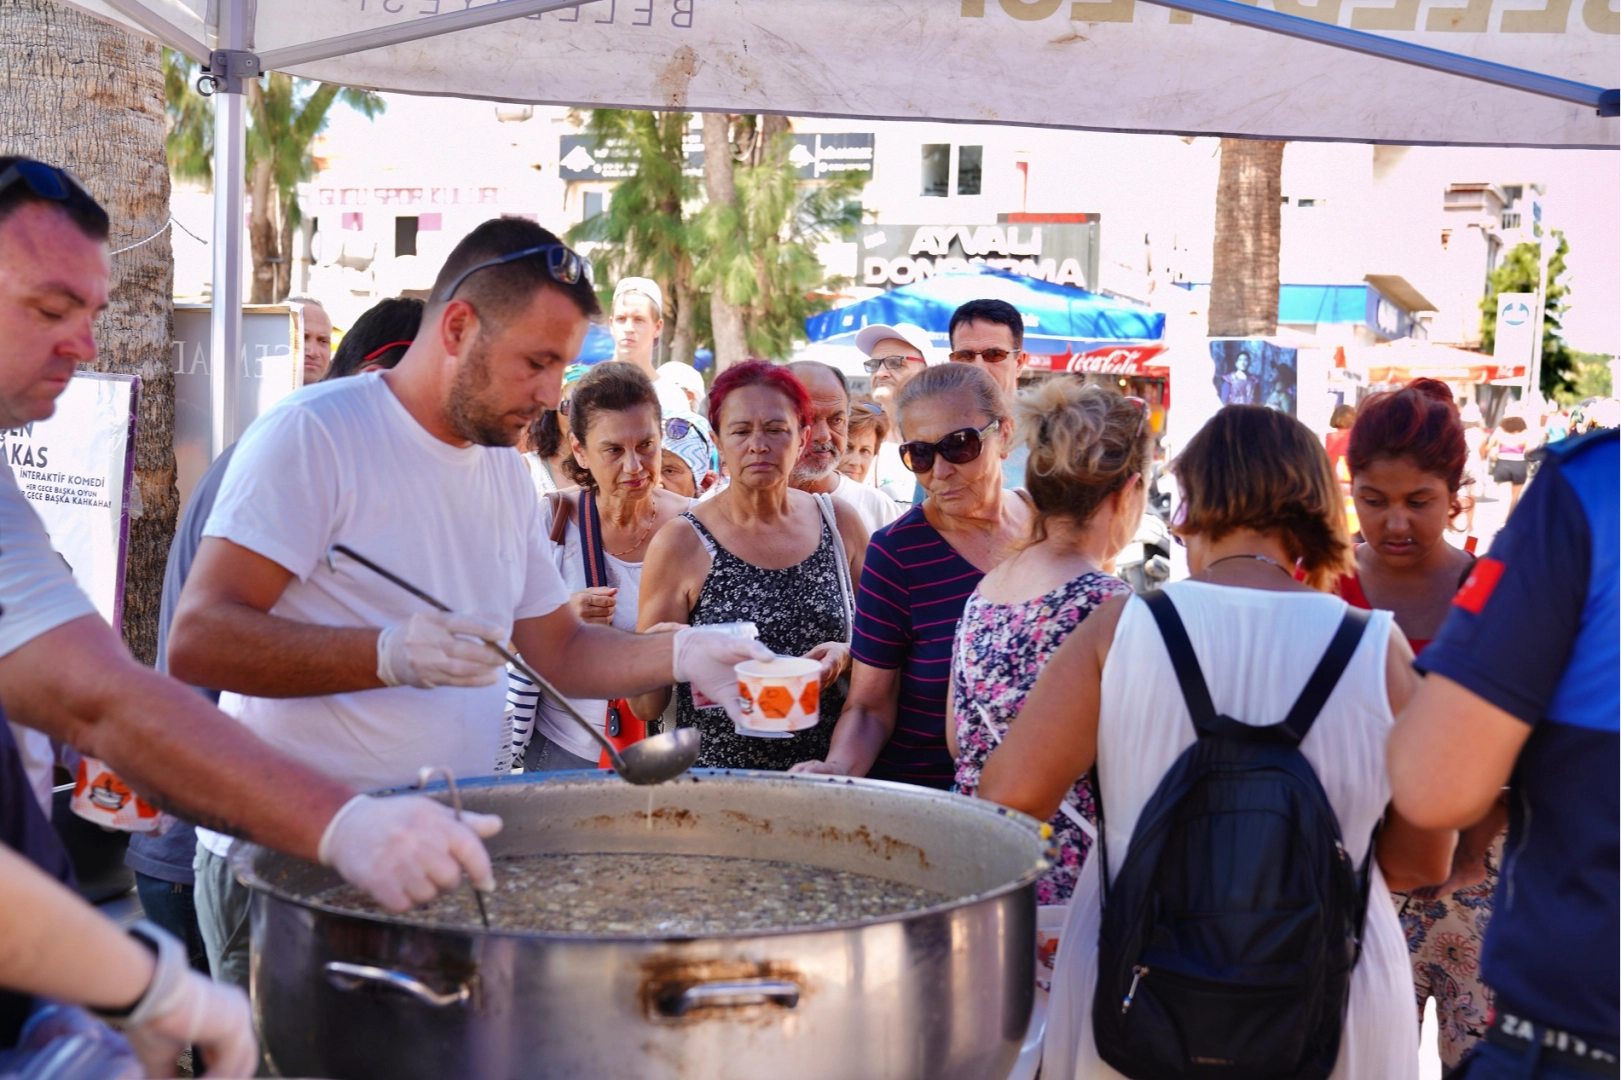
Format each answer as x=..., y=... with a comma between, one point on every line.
x=760, y=552
x=1407, y=456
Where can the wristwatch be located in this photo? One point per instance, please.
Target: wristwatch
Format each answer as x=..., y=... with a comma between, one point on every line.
x=170, y=969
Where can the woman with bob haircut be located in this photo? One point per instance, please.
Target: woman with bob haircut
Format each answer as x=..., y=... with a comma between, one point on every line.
x=760, y=552
x=1260, y=504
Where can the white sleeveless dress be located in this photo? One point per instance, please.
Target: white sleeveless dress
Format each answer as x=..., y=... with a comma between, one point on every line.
x=1256, y=649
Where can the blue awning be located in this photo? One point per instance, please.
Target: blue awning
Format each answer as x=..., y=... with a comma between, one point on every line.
x=1057, y=318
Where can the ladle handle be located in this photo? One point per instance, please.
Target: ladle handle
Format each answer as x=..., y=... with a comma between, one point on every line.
x=344, y=976
x=509, y=654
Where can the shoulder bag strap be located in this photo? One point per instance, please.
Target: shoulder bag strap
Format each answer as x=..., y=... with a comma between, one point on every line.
x=1183, y=660
x=847, y=593
x=1329, y=669
x=559, y=507
x=596, y=566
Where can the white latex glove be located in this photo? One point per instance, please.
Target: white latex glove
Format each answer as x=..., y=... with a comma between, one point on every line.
x=705, y=656
x=407, y=849
x=433, y=648
x=183, y=1008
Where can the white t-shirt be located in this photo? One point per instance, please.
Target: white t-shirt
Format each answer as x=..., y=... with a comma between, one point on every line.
x=37, y=594
x=891, y=476
x=343, y=462
x=873, y=507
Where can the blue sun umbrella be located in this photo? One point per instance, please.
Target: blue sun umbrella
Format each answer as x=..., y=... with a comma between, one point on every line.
x=599, y=346
x=1057, y=318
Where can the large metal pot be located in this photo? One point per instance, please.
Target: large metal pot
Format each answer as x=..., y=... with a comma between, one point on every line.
x=943, y=992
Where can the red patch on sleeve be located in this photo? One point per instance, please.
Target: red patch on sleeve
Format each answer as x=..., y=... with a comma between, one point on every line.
x=1479, y=586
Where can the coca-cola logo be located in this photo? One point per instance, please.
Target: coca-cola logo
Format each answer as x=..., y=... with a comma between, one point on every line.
x=1113, y=361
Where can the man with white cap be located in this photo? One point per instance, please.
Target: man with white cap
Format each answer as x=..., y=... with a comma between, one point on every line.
x=894, y=355
x=637, y=321
x=681, y=384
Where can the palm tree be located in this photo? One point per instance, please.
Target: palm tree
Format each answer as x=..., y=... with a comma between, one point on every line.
x=645, y=230
x=1244, y=277
x=81, y=93
x=284, y=117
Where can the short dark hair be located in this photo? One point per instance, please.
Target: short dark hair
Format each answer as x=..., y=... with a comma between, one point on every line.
x=393, y=322
x=499, y=293
x=999, y=312
x=80, y=207
x=797, y=366
x=611, y=386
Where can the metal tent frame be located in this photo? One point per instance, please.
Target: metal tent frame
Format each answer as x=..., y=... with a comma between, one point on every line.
x=232, y=60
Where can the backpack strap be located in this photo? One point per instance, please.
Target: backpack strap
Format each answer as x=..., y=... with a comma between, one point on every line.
x=1183, y=660
x=1329, y=669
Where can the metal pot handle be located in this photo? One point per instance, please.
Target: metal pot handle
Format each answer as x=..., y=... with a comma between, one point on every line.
x=731, y=994
x=344, y=976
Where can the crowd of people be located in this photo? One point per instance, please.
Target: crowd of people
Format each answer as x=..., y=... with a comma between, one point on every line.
x=944, y=549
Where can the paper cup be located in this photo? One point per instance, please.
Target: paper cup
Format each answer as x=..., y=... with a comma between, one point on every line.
x=784, y=694
x=100, y=796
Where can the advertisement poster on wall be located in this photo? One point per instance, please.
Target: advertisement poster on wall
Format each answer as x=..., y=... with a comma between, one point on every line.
x=77, y=469
x=1250, y=371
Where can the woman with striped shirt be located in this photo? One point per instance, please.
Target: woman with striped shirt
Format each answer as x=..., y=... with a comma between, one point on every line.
x=919, y=573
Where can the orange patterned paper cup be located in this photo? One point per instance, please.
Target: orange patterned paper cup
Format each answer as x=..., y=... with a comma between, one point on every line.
x=784, y=694
x=100, y=796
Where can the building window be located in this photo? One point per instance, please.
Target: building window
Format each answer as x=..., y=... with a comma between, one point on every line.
x=969, y=159
x=937, y=169
x=1511, y=219
x=593, y=205
x=405, y=236
x=1306, y=202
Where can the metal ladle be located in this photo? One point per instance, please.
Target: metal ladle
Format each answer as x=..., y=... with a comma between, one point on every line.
x=650, y=761
x=423, y=776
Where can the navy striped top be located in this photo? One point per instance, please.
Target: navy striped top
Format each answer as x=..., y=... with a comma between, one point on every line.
x=913, y=589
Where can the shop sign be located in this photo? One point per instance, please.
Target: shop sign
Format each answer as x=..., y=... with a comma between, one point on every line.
x=1130, y=360
x=1064, y=254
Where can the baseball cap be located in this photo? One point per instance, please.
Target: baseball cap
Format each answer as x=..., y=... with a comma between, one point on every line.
x=646, y=286
x=868, y=337
x=695, y=447
x=683, y=375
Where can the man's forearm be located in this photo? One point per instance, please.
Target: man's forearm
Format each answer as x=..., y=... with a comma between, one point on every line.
x=859, y=737
x=602, y=662
x=79, y=684
x=227, y=646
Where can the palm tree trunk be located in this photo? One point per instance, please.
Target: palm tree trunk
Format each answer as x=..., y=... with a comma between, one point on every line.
x=1244, y=278
x=284, y=269
x=726, y=318
x=682, y=339
x=80, y=93
x=262, y=234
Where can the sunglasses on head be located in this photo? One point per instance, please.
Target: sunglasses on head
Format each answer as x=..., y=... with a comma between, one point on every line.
x=564, y=265
x=45, y=181
x=890, y=363
x=871, y=408
x=990, y=356
x=679, y=428
x=959, y=448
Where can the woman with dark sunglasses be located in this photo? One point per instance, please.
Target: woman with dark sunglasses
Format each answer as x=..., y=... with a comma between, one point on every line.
x=920, y=572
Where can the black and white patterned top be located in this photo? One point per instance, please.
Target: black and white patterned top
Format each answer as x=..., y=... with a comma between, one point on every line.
x=796, y=609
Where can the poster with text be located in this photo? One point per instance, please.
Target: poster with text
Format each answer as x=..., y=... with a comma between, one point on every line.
x=77, y=469
x=1250, y=371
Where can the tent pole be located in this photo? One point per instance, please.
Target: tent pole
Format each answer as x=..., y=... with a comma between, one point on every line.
x=412, y=30
x=1405, y=52
x=225, y=314
x=161, y=29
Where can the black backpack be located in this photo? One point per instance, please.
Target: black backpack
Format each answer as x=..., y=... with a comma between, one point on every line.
x=1229, y=935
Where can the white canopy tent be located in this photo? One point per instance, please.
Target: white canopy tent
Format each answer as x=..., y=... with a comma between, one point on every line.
x=1482, y=72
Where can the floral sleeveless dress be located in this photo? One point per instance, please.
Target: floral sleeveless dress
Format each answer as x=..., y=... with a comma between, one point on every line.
x=1000, y=650
x=796, y=609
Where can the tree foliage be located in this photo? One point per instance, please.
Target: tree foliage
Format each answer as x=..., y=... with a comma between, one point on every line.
x=284, y=117
x=1590, y=378
x=1518, y=273
x=760, y=253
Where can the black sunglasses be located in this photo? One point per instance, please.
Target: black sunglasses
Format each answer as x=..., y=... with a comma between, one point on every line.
x=563, y=264
x=45, y=181
x=959, y=448
x=893, y=363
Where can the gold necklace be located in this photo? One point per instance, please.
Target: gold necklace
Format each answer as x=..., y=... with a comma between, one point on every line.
x=640, y=540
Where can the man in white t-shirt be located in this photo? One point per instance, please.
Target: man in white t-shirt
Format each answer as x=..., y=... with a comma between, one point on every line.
x=817, y=470
x=637, y=321
x=894, y=355
x=413, y=468
x=66, y=673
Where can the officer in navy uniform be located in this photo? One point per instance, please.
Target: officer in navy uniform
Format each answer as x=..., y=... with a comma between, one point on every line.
x=1522, y=690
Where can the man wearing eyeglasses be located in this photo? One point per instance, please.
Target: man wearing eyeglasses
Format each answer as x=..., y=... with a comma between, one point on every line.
x=415, y=469
x=894, y=355
x=990, y=335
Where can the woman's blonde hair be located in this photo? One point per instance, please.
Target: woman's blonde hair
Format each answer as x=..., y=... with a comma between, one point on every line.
x=951, y=379
x=1086, y=443
x=1255, y=468
x=865, y=416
